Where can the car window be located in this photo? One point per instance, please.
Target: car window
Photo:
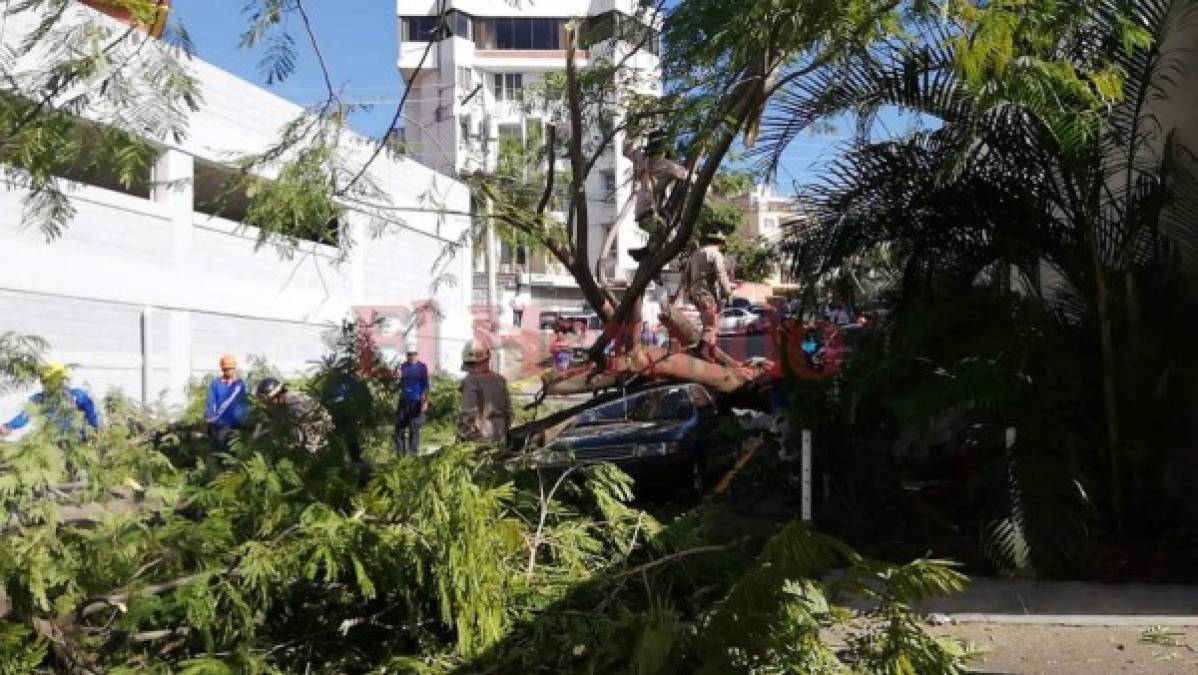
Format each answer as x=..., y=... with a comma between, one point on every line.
x=658, y=405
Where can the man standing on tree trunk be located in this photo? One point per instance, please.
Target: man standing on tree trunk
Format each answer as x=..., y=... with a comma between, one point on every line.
x=708, y=286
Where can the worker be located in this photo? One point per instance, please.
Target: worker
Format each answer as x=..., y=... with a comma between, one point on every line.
x=652, y=173
x=346, y=396
x=228, y=404
x=305, y=420
x=413, y=403
x=708, y=287
x=60, y=404
x=486, y=405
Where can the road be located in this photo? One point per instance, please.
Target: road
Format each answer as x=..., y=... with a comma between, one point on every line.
x=744, y=346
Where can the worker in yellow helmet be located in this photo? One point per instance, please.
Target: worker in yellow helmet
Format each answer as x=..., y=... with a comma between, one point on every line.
x=59, y=403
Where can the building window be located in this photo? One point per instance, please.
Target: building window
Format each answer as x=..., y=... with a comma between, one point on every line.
x=609, y=182
x=460, y=22
x=616, y=26
x=509, y=86
x=518, y=33
x=464, y=127
x=465, y=79
x=419, y=28
x=510, y=132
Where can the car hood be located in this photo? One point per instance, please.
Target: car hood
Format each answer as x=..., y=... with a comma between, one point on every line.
x=620, y=433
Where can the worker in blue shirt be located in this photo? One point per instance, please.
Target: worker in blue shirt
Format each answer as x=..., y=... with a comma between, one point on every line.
x=228, y=404
x=413, y=402
x=60, y=404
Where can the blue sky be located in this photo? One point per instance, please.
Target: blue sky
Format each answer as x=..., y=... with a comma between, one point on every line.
x=359, y=41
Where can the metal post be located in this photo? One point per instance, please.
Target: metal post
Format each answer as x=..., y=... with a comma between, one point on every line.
x=147, y=331
x=492, y=262
x=806, y=476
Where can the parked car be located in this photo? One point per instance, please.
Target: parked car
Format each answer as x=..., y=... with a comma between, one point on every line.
x=668, y=436
x=765, y=319
x=735, y=320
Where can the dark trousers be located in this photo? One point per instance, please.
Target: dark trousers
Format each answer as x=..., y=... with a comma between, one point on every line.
x=345, y=430
x=409, y=419
x=220, y=435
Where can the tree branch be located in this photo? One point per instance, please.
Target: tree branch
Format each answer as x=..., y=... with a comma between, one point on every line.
x=551, y=170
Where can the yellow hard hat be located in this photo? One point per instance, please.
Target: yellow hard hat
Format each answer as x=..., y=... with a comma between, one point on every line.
x=228, y=361
x=53, y=370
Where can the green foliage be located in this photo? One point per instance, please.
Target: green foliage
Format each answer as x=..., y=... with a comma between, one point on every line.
x=1059, y=60
x=1047, y=195
x=755, y=259
x=280, y=556
x=20, y=358
x=137, y=95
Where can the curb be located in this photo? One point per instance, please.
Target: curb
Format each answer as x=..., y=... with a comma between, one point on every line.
x=1073, y=619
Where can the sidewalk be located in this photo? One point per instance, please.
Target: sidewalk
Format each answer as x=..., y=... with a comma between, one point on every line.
x=1069, y=603
x=1072, y=627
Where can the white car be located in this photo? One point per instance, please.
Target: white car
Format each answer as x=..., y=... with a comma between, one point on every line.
x=735, y=320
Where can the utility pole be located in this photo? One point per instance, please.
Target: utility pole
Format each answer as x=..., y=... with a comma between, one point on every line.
x=492, y=265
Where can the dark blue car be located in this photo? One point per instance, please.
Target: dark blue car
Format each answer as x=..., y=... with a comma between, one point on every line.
x=668, y=436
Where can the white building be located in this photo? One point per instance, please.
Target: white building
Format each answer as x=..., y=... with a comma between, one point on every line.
x=145, y=289
x=468, y=93
x=766, y=215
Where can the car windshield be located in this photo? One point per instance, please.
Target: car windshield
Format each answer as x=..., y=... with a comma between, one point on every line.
x=659, y=405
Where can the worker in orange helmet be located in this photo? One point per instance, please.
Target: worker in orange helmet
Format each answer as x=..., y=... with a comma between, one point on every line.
x=228, y=404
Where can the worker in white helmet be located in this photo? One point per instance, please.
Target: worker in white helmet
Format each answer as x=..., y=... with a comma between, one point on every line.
x=486, y=405
x=414, y=386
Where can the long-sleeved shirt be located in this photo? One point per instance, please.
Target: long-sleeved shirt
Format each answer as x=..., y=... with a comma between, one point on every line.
x=486, y=408
x=228, y=403
x=650, y=177
x=413, y=381
x=707, y=272
x=53, y=409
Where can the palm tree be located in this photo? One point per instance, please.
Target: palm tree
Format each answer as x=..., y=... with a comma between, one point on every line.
x=1097, y=219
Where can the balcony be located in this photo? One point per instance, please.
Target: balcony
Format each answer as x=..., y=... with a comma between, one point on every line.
x=410, y=54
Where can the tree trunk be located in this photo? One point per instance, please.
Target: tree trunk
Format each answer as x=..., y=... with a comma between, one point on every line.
x=1110, y=396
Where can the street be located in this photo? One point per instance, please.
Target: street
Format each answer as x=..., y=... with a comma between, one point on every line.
x=742, y=347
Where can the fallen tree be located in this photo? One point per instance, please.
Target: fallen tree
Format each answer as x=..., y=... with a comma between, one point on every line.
x=725, y=67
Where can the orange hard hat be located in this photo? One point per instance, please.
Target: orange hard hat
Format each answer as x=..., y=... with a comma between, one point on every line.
x=228, y=361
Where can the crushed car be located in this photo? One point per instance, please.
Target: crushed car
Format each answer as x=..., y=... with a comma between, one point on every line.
x=666, y=437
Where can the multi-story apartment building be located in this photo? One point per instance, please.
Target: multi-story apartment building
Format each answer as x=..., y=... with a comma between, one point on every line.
x=765, y=214
x=468, y=94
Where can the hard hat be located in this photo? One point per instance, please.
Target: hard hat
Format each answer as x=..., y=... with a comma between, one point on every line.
x=717, y=237
x=410, y=347
x=475, y=352
x=53, y=370
x=228, y=361
x=270, y=388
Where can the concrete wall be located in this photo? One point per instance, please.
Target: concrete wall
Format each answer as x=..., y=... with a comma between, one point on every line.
x=198, y=284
